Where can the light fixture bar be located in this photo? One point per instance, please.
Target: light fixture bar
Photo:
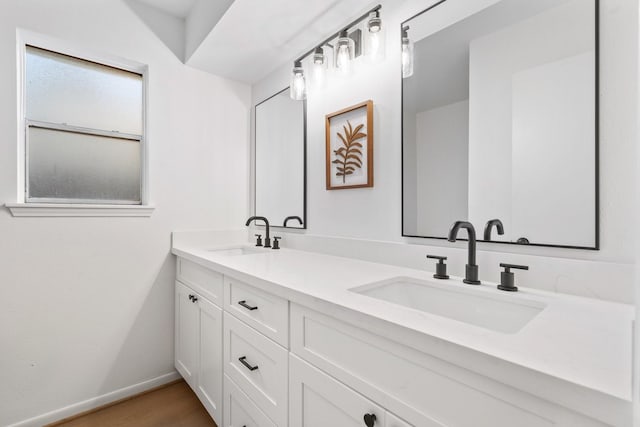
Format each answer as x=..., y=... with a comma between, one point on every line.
x=337, y=33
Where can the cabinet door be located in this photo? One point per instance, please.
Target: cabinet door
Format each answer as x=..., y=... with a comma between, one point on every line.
x=210, y=366
x=317, y=400
x=239, y=410
x=186, y=334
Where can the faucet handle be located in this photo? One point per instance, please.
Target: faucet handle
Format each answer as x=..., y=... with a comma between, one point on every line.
x=259, y=239
x=507, y=278
x=441, y=267
x=276, y=242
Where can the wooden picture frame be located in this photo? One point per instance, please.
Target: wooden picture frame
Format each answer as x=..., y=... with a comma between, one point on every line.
x=349, y=147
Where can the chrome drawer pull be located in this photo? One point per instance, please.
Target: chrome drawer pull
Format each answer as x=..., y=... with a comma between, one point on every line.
x=243, y=360
x=247, y=306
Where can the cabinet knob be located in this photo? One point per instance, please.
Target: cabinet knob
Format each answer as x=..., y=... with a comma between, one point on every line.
x=191, y=297
x=369, y=419
x=194, y=299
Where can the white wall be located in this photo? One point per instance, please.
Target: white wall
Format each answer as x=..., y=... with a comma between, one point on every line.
x=634, y=87
x=442, y=151
x=375, y=213
x=86, y=304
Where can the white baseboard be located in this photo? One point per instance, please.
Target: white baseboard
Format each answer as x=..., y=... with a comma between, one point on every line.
x=97, y=401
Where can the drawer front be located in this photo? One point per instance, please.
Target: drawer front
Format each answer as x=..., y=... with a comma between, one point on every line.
x=267, y=313
x=258, y=366
x=393, y=421
x=317, y=400
x=208, y=283
x=239, y=410
x=423, y=390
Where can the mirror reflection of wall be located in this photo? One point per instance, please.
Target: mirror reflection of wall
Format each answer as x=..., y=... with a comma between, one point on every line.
x=280, y=160
x=499, y=121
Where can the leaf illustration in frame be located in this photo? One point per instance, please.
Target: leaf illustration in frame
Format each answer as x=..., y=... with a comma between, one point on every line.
x=349, y=157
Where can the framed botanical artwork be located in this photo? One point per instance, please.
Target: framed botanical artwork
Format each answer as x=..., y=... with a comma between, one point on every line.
x=349, y=141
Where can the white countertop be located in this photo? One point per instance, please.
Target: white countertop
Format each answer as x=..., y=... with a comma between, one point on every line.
x=582, y=341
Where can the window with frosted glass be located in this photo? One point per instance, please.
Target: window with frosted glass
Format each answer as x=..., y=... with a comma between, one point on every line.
x=84, y=125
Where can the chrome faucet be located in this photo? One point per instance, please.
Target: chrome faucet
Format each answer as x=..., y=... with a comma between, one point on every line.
x=471, y=269
x=489, y=226
x=267, y=239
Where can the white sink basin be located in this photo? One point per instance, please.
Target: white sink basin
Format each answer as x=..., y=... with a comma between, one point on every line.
x=501, y=313
x=238, y=251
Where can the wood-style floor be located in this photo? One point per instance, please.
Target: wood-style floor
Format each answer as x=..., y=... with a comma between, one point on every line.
x=174, y=405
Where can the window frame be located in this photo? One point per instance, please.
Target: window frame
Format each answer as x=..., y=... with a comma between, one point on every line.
x=27, y=38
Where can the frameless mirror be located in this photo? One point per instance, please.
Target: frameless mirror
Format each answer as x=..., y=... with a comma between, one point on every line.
x=500, y=120
x=280, y=160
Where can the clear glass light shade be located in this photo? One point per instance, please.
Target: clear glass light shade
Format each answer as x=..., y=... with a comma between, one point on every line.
x=344, y=53
x=407, y=58
x=375, y=38
x=298, y=85
x=319, y=69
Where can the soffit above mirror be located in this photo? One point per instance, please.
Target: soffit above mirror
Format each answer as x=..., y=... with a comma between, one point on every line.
x=177, y=8
x=243, y=40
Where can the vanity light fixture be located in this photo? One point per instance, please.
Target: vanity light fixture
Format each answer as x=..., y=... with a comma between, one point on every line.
x=344, y=52
x=375, y=37
x=298, y=85
x=345, y=49
x=407, y=53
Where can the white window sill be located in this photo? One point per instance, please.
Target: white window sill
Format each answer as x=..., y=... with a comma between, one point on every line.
x=78, y=210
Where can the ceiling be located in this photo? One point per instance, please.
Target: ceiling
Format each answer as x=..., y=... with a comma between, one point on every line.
x=177, y=8
x=251, y=38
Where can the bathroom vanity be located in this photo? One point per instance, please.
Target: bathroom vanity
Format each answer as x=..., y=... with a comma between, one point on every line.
x=293, y=338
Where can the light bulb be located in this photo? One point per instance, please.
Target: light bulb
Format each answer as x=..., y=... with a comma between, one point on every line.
x=407, y=54
x=343, y=61
x=298, y=85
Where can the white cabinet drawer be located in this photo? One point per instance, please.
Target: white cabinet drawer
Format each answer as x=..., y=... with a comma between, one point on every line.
x=317, y=400
x=423, y=390
x=258, y=366
x=206, y=282
x=239, y=410
x=393, y=421
x=267, y=313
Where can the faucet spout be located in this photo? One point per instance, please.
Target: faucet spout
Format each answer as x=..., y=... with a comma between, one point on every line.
x=490, y=224
x=471, y=269
x=267, y=239
x=287, y=219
